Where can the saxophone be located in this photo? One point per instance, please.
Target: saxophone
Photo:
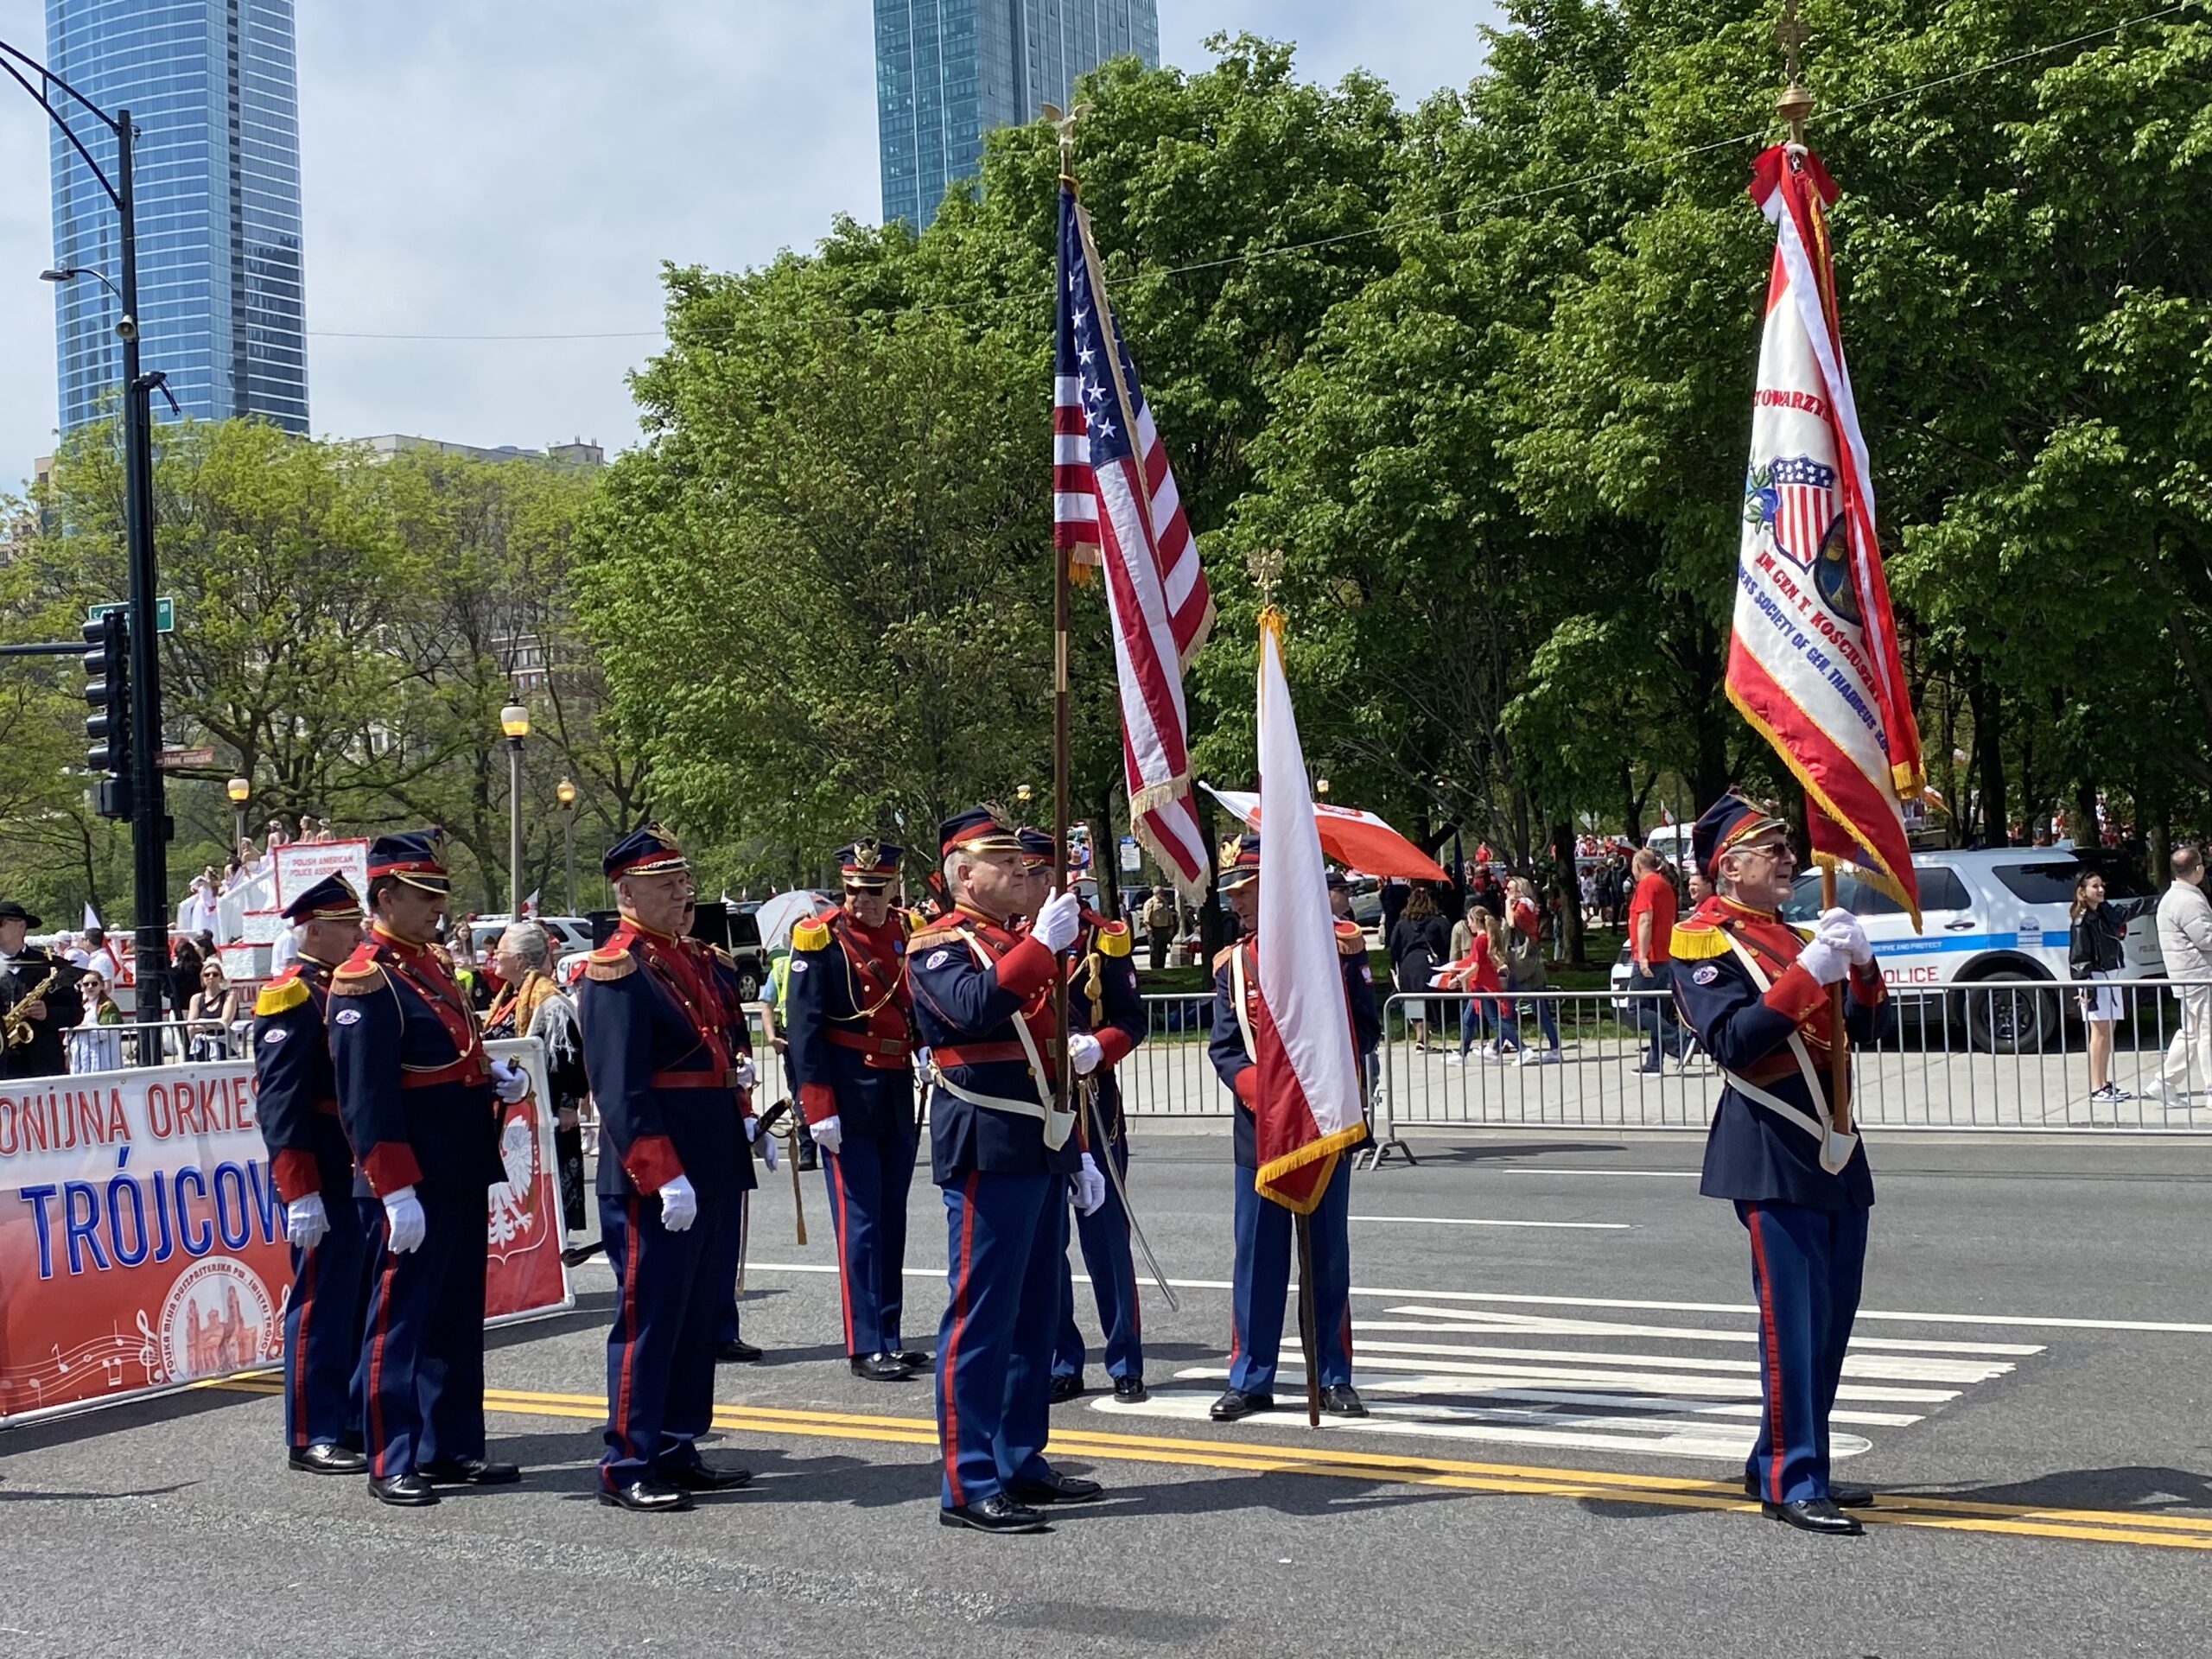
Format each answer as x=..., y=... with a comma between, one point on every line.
x=19, y=1023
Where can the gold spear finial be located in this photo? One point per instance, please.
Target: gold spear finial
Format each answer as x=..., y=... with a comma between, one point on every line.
x=1796, y=102
x=1064, y=125
x=1266, y=566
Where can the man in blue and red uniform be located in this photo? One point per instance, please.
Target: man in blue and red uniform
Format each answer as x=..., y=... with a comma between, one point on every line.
x=672, y=1146
x=1261, y=1279
x=1757, y=992
x=849, y=1018
x=295, y=1097
x=417, y=1095
x=1004, y=1155
x=1103, y=1001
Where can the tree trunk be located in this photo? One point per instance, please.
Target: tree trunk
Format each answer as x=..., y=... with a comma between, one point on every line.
x=1566, y=883
x=1106, y=857
x=2082, y=823
x=1982, y=702
x=1631, y=805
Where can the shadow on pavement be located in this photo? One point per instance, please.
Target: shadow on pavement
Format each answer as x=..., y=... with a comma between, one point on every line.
x=2145, y=1487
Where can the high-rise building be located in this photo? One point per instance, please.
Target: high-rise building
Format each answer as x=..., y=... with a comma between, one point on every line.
x=948, y=70
x=213, y=88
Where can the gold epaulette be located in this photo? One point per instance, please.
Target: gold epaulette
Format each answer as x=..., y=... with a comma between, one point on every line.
x=922, y=940
x=1351, y=939
x=723, y=956
x=288, y=991
x=1114, y=938
x=1698, y=943
x=812, y=934
x=605, y=964
x=361, y=975
x=1223, y=955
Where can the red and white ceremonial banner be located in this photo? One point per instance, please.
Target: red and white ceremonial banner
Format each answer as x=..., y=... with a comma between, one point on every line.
x=1309, y=1104
x=142, y=1240
x=1355, y=838
x=1813, y=661
x=1115, y=507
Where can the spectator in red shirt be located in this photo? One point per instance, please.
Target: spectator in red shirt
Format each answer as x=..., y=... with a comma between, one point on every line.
x=1650, y=926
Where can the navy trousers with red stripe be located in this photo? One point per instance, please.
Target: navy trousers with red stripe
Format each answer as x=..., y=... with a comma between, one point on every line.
x=660, y=1354
x=868, y=1176
x=1104, y=1234
x=323, y=1334
x=1265, y=1234
x=1005, y=1236
x=422, y=1371
x=1806, y=1268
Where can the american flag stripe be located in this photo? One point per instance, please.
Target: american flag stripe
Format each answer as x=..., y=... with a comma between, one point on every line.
x=1115, y=506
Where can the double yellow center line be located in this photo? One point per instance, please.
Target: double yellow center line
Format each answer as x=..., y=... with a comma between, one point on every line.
x=1947, y=1514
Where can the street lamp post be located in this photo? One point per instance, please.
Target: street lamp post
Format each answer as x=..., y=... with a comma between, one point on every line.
x=514, y=721
x=566, y=793
x=150, y=826
x=239, y=791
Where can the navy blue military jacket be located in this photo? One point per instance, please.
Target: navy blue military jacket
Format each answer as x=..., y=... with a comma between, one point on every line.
x=967, y=1006
x=414, y=1087
x=296, y=1086
x=1753, y=1153
x=656, y=1048
x=1233, y=1061
x=847, y=1019
x=1103, y=1000
x=721, y=971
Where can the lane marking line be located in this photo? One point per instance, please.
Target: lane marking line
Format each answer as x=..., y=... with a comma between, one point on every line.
x=1470, y=1221
x=1660, y=1174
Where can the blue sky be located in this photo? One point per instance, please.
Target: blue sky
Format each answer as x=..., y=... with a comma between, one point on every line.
x=467, y=172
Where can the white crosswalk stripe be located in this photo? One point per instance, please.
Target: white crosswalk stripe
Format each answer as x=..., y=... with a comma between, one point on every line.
x=1485, y=1374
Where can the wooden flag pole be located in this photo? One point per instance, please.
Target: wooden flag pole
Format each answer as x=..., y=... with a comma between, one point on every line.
x=1063, y=1083
x=1308, y=1337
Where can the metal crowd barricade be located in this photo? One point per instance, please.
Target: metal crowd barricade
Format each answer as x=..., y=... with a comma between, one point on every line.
x=1169, y=1074
x=2003, y=1055
x=110, y=1048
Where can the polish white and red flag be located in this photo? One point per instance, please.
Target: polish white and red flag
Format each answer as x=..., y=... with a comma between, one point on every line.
x=1309, y=1110
x=1813, y=658
x=1114, y=507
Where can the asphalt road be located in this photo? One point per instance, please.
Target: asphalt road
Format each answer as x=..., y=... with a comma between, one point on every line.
x=1561, y=1405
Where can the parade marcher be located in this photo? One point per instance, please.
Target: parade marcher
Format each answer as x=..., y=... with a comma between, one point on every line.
x=1003, y=1153
x=295, y=1097
x=671, y=1148
x=849, y=1018
x=727, y=1257
x=1756, y=992
x=1261, y=1276
x=1103, y=1000
x=38, y=994
x=417, y=1096
x=530, y=1004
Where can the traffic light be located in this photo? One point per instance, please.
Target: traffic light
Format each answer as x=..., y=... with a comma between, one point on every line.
x=107, y=693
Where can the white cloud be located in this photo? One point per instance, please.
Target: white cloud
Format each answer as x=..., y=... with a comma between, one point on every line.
x=515, y=166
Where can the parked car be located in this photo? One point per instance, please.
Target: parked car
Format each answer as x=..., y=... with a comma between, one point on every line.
x=563, y=933
x=730, y=925
x=1989, y=917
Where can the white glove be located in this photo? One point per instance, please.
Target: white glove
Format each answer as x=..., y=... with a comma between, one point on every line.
x=1057, y=921
x=1845, y=930
x=767, y=1146
x=1825, y=960
x=744, y=1071
x=1084, y=1052
x=828, y=1134
x=406, y=1226
x=306, y=1222
x=1089, y=1187
x=679, y=1204
x=510, y=1081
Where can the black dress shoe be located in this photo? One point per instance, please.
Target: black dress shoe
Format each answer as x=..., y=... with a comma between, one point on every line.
x=576, y=1255
x=1055, y=1488
x=1064, y=1386
x=410, y=1491
x=879, y=1368
x=1844, y=1497
x=470, y=1472
x=1130, y=1389
x=913, y=1358
x=1236, y=1403
x=327, y=1460
x=734, y=1353
x=703, y=1477
x=647, y=1498
x=1812, y=1515
x=1341, y=1399
x=997, y=1513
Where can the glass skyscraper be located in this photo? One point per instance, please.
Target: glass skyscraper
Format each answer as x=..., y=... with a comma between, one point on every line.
x=948, y=70
x=213, y=88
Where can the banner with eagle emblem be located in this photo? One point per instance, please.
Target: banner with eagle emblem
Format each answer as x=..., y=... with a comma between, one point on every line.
x=1813, y=660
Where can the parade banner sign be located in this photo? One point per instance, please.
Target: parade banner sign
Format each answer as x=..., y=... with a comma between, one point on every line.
x=300, y=864
x=142, y=1239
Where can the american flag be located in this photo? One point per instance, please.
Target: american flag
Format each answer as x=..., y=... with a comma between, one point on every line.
x=1114, y=510
x=1804, y=506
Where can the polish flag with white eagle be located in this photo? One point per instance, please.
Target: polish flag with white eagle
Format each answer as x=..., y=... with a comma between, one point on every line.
x=1309, y=1104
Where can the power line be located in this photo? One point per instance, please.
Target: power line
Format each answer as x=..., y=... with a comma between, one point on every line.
x=1384, y=228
